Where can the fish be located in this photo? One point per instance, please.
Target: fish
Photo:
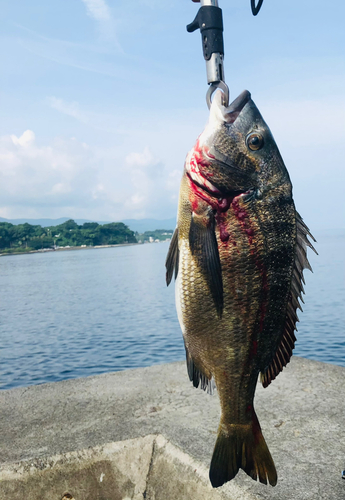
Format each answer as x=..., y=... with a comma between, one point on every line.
x=238, y=255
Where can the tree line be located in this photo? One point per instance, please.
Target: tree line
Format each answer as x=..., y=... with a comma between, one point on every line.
x=158, y=234
x=26, y=237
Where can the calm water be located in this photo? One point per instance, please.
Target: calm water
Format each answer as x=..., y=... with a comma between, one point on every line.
x=78, y=313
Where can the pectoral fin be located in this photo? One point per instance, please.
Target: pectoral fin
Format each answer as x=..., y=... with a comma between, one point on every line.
x=171, y=262
x=288, y=339
x=204, y=248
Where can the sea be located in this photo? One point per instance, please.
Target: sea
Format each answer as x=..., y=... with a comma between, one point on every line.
x=77, y=313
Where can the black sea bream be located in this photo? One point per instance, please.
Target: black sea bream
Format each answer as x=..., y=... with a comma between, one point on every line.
x=238, y=255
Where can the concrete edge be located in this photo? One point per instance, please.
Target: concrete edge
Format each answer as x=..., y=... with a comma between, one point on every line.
x=164, y=470
x=15, y=470
x=194, y=474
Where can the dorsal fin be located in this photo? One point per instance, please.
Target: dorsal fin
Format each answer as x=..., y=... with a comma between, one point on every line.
x=287, y=342
x=171, y=262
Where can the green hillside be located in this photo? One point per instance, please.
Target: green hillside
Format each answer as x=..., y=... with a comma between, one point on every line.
x=26, y=237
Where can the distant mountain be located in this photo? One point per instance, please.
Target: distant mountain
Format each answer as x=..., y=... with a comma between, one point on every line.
x=140, y=225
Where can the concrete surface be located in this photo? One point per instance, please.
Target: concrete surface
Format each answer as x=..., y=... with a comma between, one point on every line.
x=302, y=415
x=113, y=472
x=148, y=468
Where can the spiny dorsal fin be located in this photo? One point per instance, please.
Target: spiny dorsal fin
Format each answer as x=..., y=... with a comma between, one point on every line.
x=171, y=262
x=287, y=342
x=204, y=247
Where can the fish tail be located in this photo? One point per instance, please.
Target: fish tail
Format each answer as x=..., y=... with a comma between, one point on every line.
x=241, y=446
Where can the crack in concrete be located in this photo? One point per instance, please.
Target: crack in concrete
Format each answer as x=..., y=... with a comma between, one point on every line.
x=154, y=446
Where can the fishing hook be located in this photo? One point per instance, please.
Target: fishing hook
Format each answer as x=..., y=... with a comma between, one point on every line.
x=256, y=8
x=212, y=88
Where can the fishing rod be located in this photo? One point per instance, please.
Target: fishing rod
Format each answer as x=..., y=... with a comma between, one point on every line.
x=209, y=20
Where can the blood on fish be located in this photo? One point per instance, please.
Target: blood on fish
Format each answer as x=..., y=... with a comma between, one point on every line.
x=201, y=154
x=254, y=349
x=202, y=194
x=203, y=150
x=224, y=235
x=195, y=203
x=221, y=221
x=243, y=218
x=244, y=221
x=224, y=203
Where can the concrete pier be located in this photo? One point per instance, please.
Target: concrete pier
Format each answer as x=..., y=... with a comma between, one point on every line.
x=147, y=433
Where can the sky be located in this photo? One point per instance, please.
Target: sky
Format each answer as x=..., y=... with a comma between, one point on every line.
x=102, y=99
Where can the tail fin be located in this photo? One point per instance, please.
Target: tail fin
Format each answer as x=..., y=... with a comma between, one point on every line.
x=242, y=446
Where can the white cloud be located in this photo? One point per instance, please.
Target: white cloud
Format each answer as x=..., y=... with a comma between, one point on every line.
x=150, y=185
x=100, y=12
x=140, y=159
x=97, y=9
x=61, y=187
x=38, y=179
x=68, y=108
x=70, y=178
x=24, y=140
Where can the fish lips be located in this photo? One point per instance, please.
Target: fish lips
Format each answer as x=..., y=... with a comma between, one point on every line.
x=232, y=112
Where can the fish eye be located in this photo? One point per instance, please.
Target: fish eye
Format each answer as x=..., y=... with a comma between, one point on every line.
x=255, y=141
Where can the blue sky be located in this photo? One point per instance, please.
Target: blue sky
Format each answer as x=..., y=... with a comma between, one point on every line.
x=102, y=99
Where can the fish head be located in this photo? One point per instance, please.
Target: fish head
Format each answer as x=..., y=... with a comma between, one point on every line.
x=236, y=153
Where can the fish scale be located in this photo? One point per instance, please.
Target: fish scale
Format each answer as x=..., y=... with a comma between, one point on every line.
x=238, y=254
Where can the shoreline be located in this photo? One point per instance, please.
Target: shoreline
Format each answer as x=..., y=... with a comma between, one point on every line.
x=45, y=250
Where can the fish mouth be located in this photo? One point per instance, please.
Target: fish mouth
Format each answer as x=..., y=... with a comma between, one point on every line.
x=232, y=112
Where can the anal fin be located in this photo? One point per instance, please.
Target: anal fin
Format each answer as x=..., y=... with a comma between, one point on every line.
x=198, y=376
